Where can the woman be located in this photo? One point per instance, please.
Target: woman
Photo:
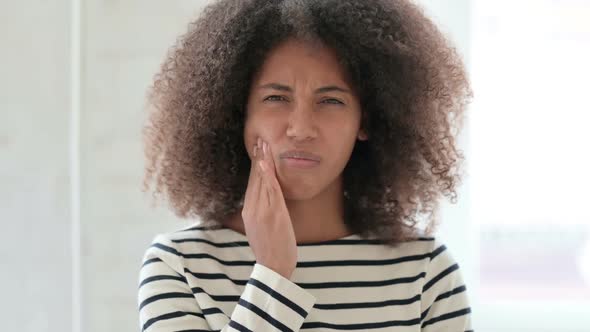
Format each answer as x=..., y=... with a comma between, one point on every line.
x=308, y=138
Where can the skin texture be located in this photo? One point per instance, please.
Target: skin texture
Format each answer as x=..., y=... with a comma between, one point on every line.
x=326, y=124
x=410, y=84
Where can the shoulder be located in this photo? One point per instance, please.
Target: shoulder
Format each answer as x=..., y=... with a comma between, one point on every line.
x=433, y=247
x=441, y=260
x=435, y=261
x=442, y=274
x=189, y=243
x=444, y=301
x=435, y=250
x=426, y=247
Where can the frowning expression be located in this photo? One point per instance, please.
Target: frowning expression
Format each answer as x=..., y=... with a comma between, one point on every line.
x=301, y=103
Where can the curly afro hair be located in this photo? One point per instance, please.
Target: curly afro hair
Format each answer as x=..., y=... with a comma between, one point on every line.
x=411, y=83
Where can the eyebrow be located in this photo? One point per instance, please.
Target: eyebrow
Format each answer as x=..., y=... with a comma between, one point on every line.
x=281, y=87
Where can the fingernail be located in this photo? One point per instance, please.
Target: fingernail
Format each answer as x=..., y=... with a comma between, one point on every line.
x=265, y=148
x=254, y=151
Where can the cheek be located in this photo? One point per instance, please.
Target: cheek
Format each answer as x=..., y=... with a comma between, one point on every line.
x=249, y=139
x=251, y=132
x=249, y=143
x=342, y=143
x=254, y=128
x=343, y=129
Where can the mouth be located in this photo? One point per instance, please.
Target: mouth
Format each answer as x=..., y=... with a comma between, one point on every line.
x=300, y=154
x=300, y=159
x=300, y=162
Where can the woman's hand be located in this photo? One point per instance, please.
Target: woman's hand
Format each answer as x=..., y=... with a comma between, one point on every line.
x=266, y=219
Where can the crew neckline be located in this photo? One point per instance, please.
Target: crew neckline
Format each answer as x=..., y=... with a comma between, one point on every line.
x=243, y=236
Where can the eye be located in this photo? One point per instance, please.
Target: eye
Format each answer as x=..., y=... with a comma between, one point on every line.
x=269, y=97
x=335, y=101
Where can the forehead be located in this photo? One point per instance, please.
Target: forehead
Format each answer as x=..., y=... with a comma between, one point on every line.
x=294, y=57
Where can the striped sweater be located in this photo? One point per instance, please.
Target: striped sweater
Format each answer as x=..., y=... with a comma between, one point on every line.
x=207, y=279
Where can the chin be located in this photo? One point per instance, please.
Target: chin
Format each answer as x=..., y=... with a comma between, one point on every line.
x=300, y=188
x=299, y=192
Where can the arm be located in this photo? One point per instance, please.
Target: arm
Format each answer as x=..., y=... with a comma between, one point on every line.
x=445, y=304
x=167, y=303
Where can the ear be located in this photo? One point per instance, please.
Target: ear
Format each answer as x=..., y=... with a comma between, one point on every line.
x=362, y=135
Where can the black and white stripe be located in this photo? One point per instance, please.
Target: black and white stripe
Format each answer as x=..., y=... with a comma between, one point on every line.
x=203, y=279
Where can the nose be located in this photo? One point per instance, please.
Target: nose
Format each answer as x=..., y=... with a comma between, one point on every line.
x=301, y=124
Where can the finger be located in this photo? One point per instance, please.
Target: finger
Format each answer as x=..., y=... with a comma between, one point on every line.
x=270, y=159
x=250, y=177
x=270, y=180
x=267, y=174
x=273, y=188
x=253, y=187
x=258, y=172
x=265, y=194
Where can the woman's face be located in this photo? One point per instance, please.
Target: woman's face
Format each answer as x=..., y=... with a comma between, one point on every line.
x=300, y=99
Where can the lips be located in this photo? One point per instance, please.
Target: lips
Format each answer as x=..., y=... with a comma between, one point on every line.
x=300, y=154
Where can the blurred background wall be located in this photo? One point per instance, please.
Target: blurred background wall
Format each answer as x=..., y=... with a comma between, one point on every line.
x=73, y=79
x=35, y=204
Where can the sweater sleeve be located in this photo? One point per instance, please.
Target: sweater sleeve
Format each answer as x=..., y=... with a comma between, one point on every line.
x=445, y=304
x=167, y=303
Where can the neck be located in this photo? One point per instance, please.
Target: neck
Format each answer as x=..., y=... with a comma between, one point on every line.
x=320, y=218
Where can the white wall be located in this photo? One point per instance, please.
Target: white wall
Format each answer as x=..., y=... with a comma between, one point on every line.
x=123, y=43
x=35, y=258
